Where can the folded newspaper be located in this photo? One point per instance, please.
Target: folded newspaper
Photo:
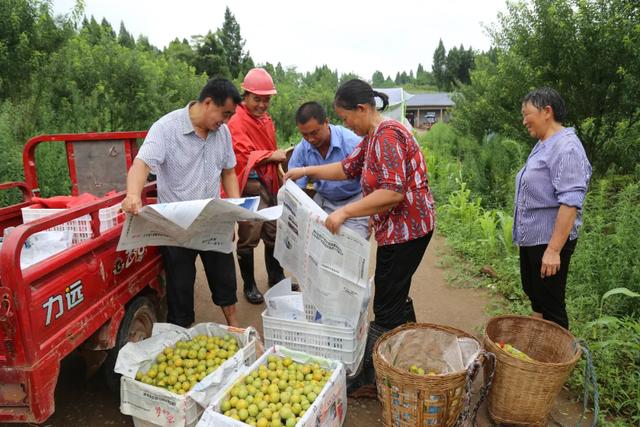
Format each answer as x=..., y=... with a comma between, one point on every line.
x=332, y=270
x=205, y=225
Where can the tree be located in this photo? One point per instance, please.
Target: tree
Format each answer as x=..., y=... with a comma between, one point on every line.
x=87, y=79
x=107, y=29
x=92, y=30
x=459, y=62
x=28, y=35
x=218, y=53
x=439, y=67
x=181, y=51
x=279, y=74
x=556, y=43
x=323, y=75
x=232, y=43
x=348, y=76
x=210, y=56
x=145, y=45
x=451, y=69
x=125, y=38
x=377, y=79
x=423, y=77
x=247, y=64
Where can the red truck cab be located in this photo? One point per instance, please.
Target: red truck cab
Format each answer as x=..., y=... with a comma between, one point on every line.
x=89, y=297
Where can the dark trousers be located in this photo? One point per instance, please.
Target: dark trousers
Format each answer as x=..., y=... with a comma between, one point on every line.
x=250, y=232
x=180, y=268
x=395, y=266
x=546, y=295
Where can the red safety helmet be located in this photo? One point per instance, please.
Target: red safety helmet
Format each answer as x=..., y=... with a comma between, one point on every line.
x=258, y=81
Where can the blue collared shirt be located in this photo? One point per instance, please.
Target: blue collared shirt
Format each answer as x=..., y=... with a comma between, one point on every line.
x=557, y=173
x=343, y=141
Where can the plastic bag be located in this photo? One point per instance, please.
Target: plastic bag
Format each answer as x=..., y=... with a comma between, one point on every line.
x=432, y=350
x=283, y=303
x=43, y=245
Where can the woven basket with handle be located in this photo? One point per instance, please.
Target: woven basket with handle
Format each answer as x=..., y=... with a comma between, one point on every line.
x=524, y=392
x=410, y=400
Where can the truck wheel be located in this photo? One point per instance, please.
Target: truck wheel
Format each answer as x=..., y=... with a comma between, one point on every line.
x=136, y=325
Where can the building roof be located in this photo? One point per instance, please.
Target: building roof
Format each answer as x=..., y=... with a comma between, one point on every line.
x=440, y=99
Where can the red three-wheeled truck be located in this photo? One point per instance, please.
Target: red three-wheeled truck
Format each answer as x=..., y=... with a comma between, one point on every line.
x=88, y=298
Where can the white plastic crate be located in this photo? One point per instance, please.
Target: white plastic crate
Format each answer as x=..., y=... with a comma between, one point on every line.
x=331, y=342
x=109, y=217
x=81, y=227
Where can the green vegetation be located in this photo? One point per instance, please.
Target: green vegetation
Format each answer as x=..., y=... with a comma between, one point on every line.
x=70, y=74
x=473, y=164
x=81, y=77
x=422, y=81
x=588, y=50
x=450, y=70
x=478, y=225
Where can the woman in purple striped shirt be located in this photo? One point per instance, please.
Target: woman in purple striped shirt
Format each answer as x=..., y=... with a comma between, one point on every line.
x=550, y=191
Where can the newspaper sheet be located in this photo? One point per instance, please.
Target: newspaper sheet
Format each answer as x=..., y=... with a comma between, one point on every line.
x=332, y=269
x=196, y=224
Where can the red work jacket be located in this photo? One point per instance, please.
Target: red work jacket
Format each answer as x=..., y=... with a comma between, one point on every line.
x=254, y=140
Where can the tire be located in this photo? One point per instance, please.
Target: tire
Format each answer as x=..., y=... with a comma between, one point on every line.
x=136, y=325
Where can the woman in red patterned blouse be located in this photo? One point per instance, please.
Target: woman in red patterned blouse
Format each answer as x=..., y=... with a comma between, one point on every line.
x=393, y=174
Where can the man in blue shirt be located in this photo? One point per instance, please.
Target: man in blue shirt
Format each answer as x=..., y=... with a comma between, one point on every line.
x=325, y=143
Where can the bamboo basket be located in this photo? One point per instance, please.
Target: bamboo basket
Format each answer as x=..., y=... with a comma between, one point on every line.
x=524, y=392
x=410, y=400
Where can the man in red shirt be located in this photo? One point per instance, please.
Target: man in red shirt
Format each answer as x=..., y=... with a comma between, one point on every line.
x=257, y=157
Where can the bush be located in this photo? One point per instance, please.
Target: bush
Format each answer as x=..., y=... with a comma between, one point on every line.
x=552, y=43
x=86, y=86
x=488, y=168
x=606, y=256
x=11, y=153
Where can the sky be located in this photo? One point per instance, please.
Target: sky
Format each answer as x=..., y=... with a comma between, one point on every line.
x=348, y=36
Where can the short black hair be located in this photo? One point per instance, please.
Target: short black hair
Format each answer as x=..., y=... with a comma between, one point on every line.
x=354, y=92
x=219, y=90
x=544, y=96
x=311, y=110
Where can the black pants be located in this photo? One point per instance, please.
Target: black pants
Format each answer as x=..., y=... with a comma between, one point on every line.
x=395, y=266
x=180, y=266
x=546, y=295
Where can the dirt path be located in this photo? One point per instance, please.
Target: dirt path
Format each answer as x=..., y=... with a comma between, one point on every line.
x=81, y=402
